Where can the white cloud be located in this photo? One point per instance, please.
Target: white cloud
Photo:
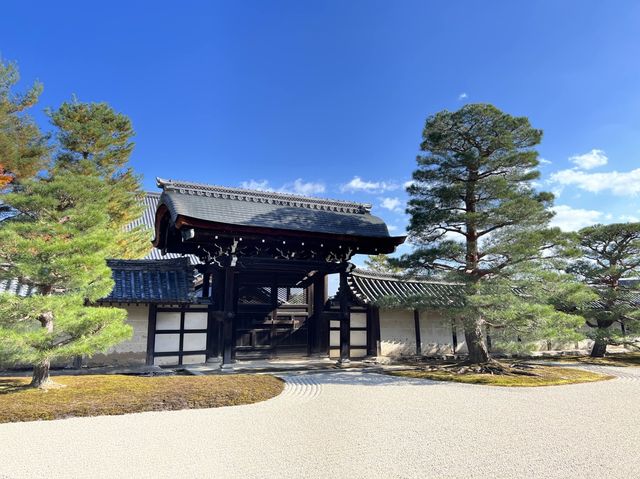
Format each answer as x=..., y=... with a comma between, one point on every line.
x=544, y=161
x=358, y=184
x=568, y=218
x=619, y=183
x=392, y=204
x=463, y=96
x=305, y=187
x=262, y=185
x=629, y=218
x=590, y=160
x=392, y=228
x=298, y=187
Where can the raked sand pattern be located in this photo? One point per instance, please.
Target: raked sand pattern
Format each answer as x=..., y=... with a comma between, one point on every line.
x=353, y=425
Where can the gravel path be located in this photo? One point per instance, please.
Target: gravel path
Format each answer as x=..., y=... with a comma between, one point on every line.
x=352, y=425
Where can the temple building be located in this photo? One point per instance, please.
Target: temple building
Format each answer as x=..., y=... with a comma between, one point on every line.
x=237, y=274
x=244, y=276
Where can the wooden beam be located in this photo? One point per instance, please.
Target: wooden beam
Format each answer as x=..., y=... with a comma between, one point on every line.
x=206, y=284
x=151, y=334
x=373, y=330
x=454, y=336
x=229, y=313
x=320, y=323
x=416, y=324
x=345, y=326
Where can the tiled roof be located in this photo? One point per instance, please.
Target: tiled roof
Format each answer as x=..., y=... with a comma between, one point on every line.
x=151, y=281
x=369, y=287
x=266, y=209
x=150, y=201
x=14, y=286
x=148, y=218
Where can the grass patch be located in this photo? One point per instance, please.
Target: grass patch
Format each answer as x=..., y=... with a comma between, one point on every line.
x=546, y=376
x=621, y=360
x=113, y=394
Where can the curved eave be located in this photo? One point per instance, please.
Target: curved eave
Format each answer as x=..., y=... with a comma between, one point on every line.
x=380, y=244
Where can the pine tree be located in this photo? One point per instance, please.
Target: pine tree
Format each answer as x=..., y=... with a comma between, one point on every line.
x=58, y=247
x=476, y=217
x=609, y=255
x=94, y=139
x=380, y=264
x=23, y=147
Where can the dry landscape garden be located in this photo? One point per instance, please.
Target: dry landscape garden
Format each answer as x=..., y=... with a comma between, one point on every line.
x=232, y=350
x=475, y=222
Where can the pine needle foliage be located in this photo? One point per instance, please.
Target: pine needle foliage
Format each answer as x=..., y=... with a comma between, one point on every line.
x=58, y=247
x=23, y=147
x=476, y=218
x=96, y=140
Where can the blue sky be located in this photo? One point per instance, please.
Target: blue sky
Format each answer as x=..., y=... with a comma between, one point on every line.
x=330, y=97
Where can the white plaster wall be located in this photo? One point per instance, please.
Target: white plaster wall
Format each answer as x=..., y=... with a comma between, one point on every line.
x=132, y=351
x=397, y=333
x=138, y=318
x=436, y=334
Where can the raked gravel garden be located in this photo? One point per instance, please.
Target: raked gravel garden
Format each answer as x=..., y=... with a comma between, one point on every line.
x=357, y=425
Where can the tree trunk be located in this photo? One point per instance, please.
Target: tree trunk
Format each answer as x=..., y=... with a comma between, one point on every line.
x=478, y=352
x=40, y=376
x=599, y=348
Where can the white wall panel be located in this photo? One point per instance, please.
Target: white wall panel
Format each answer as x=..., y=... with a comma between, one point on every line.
x=358, y=338
x=194, y=342
x=358, y=320
x=168, y=321
x=195, y=321
x=166, y=360
x=194, y=359
x=167, y=343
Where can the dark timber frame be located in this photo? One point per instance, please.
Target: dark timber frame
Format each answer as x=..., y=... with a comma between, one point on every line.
x=264, y=272
x=180, y=352
x=416, y=324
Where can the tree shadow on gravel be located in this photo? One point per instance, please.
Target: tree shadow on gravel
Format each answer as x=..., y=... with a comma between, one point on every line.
x=366, y=379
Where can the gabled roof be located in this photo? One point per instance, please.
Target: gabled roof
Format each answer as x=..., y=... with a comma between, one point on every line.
x=151, y=281
x=148, y=218
x=135, y=290
x=15, y=286
x=369, y=287
x=266, y=209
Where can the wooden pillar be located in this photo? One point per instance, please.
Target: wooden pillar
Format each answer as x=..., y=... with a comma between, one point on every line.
x=320, y=324
x=214, y=327
x=345, y=327
x=416, y=325
x=228, y=315
x=454, y=336
x=373, y=330
x=206, y=284
x=151, y=334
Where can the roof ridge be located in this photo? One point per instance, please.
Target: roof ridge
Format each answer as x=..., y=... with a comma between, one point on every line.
x=263, y=196
x=367, y=273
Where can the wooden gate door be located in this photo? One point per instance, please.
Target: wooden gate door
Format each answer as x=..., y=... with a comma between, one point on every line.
x=271, y=321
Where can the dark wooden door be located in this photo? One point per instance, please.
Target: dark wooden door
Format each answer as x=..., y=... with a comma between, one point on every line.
x=271, y=321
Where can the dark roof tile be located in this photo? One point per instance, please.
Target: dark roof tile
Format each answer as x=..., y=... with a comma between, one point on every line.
x=369, y=287
x=267, y=209
x=151, y=281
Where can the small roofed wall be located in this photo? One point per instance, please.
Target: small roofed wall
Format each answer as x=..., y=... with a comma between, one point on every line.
x=398, y=334
x=132, y=352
